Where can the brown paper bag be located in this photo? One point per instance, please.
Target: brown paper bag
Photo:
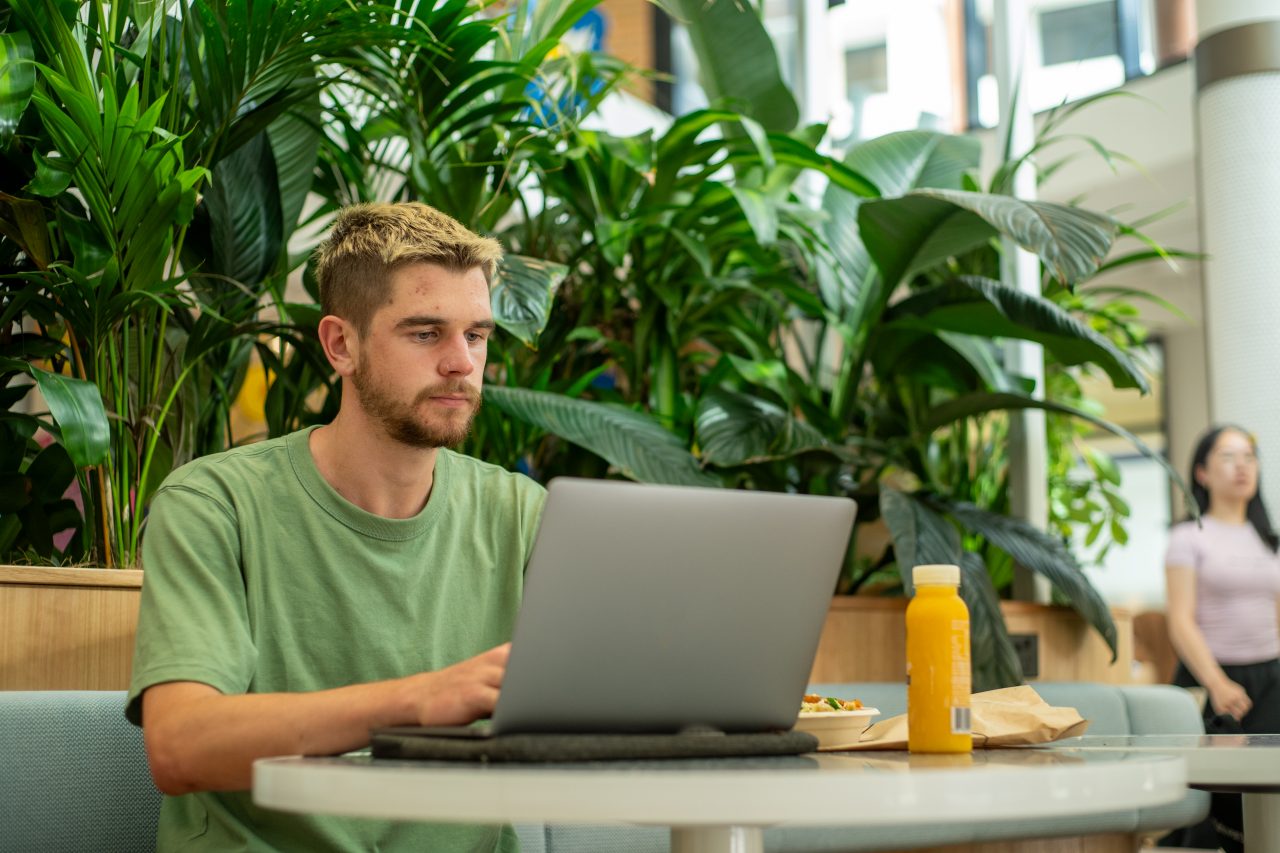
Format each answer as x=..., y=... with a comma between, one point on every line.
x=1011, y=716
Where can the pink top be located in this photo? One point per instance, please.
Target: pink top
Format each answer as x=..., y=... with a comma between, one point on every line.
x=1237, y=586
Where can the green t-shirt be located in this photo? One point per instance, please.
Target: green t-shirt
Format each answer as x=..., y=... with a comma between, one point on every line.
x=261, y=578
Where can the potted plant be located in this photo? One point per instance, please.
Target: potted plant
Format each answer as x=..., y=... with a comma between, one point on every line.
x=158, y=158
x=714, y=329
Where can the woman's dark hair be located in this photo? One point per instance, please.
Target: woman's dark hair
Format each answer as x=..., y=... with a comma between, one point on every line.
x=1256, y=512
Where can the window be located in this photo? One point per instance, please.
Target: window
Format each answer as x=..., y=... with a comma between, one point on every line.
x=1078, y=32
x=866, y=71
x=1075, y=49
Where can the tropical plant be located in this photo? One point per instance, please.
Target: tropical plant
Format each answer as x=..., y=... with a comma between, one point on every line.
x=676, y=249
x=918, y=378
x=854, y=350
x=161, y=159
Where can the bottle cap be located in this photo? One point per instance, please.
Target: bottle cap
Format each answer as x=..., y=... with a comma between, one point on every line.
x=939, y=574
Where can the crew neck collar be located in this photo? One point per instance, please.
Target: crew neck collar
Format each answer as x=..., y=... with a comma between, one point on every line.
x=352, y=516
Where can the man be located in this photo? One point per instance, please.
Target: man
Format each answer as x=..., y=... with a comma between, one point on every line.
x=305, y=589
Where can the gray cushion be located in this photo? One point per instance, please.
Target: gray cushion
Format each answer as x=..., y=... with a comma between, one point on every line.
x=73, y=774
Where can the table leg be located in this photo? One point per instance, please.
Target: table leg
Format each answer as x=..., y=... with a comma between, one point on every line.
x=1261, y=822
x=717, y=839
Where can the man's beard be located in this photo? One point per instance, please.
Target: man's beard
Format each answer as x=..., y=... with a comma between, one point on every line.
x=403, y=422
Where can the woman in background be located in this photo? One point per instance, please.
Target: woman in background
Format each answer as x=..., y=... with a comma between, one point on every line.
x=1223, y=584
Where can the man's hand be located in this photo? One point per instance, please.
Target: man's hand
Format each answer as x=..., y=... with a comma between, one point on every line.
x=198, y=739
x=1227, y=697
x=461, y=693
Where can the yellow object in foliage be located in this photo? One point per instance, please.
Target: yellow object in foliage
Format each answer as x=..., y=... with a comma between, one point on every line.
x=252, y=399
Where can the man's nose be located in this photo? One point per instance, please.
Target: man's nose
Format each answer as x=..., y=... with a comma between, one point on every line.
x=456, y=360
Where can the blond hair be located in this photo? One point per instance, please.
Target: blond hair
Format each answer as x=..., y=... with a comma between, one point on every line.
x=368, y=242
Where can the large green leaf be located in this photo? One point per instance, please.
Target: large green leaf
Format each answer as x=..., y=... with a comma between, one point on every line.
x=925, y=227
x=739, y=429
x=241, y=216
x=522, y=293
x=51, y=473
x=17, y=81
x=737, y=63
x=22, y=220
x=923, y=360
x=761, y=211
x=76, y=406
x=801, y=153
x=920, y=536
x=974, y=305
x=295, y=146
x=53, y=175
x=913, y=159
x=982, y=354
x=1036, y=550
x=994, y=659
x=978, y=404
x=895, y=163
x=633, y=442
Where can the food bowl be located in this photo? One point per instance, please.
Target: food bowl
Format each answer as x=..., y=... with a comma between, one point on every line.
x=836, y=728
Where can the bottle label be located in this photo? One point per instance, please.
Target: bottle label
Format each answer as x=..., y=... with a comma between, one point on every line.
x=960, y=721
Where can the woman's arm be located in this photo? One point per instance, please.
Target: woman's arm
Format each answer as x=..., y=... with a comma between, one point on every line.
x=1225, y=696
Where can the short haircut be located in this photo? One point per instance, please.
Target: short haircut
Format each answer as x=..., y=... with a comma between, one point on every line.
x=368, y=242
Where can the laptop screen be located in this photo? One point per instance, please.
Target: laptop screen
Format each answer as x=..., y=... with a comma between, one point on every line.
x=667, y=608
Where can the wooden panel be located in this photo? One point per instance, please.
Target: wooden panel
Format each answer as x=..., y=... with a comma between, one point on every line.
x=1069, y=649
x=59, y=633
x=864, y=639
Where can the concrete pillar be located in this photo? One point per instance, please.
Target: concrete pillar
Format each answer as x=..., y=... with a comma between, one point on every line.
x=1237, y=64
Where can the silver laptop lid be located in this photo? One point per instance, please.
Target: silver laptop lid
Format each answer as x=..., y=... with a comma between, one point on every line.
x=661, y=608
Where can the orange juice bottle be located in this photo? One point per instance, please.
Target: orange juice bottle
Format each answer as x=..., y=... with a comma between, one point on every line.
x=938, y=663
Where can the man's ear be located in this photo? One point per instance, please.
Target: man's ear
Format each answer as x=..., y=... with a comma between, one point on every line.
x=341, y=344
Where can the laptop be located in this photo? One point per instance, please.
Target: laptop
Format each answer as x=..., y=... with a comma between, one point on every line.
x=668, y=609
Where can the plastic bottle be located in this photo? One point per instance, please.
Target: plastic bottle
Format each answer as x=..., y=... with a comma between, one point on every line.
x=938, y=673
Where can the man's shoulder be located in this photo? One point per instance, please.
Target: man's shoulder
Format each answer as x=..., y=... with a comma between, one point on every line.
x=469, y=468
x=226, y=472
x=475, y=481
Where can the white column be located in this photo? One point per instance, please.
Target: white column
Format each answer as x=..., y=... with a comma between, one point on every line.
x=1238, y=122
x=814, y=50
x=1028, y=455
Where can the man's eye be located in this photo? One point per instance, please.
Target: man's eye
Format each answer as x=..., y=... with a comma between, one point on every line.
x=476, y=337
x=424, y=336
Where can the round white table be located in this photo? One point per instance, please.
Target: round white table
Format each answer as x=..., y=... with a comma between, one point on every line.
x=1245, y=764
x=723, y=805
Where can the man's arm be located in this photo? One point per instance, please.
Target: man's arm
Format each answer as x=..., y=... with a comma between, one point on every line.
x=198, y=739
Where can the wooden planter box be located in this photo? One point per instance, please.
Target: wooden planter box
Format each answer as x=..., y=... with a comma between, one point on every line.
x=864, y=639
x=73, y=629
x=67, y=629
